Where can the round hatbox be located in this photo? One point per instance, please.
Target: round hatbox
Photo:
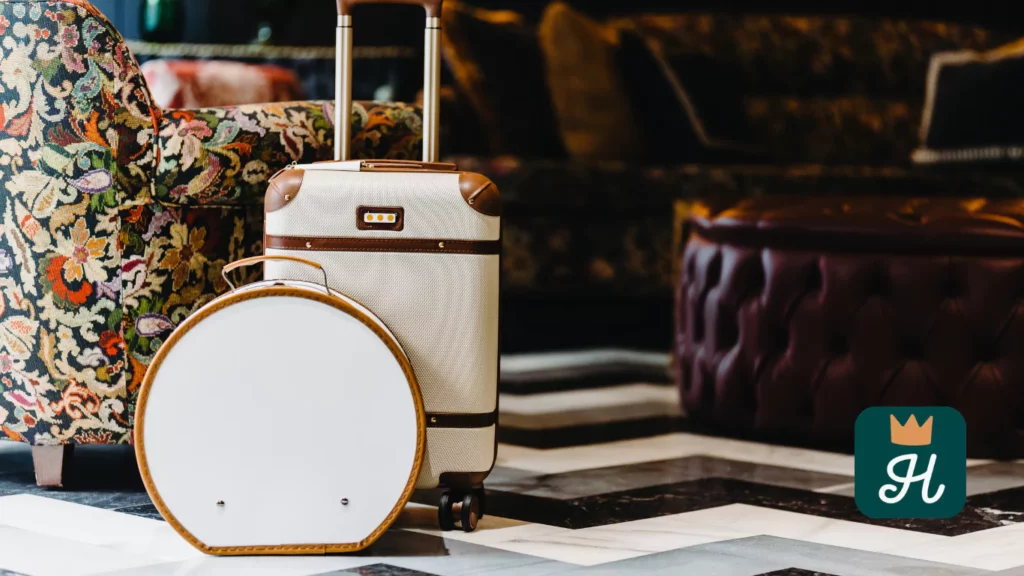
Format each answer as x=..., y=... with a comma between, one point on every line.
x=280, y=418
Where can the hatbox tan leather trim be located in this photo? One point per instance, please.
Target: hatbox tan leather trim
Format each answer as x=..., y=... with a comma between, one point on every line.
x=445, y=420
x=283, y=188
x=438, y=246
x=285, y=549
x=395, y=226
x=480, y=193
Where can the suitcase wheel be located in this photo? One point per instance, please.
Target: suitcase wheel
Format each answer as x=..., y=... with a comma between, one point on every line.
x=466, y=510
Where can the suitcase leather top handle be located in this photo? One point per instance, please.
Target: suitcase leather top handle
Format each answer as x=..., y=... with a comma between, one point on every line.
x=433, y=7
x=431, y=77
x=258, y=259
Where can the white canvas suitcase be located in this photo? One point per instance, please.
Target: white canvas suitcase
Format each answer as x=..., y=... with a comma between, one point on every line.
x=419, y=244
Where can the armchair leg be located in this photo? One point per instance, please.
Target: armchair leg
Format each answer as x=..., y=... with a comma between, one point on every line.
x=52, y=464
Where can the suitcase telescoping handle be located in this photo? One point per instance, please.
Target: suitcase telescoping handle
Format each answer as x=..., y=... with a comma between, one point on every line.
x=431, y=77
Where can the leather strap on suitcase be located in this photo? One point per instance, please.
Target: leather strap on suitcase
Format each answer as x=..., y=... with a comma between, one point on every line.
x=431, y=77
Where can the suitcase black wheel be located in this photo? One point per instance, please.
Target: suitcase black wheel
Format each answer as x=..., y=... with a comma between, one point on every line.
x=444, y=512
x=470, y=513
x=481, y=495
x=463, y=509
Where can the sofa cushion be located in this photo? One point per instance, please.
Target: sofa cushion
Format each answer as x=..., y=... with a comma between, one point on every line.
x=848, y=129
x=591, y=104
x=818, y=55
x=496, y=60
x=972, y=113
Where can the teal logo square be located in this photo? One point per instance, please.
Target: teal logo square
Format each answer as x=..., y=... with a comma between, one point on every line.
x=910, y=462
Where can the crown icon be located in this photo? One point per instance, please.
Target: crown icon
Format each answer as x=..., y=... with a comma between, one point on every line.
x=911, y=433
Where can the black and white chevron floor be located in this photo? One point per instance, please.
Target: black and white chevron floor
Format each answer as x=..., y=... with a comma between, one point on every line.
x=594, y=476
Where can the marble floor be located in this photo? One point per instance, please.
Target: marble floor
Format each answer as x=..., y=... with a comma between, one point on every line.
x=596, y=474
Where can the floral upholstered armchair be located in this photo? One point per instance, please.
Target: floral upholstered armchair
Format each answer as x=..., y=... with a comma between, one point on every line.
x=117, y=216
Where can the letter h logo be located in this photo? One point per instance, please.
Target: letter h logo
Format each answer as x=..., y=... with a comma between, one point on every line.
x=903, y=469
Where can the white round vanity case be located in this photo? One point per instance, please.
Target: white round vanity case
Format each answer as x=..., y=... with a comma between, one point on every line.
x=280, y=418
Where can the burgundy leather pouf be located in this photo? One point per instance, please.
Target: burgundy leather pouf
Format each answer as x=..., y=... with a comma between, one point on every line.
x=793, y=315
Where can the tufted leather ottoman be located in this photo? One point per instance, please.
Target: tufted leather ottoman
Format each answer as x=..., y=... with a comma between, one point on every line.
x=793, y=315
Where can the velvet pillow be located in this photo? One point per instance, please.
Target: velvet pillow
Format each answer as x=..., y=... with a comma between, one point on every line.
x=973, y=109
x=497, y=64
x=692, y=108
x=594, y=113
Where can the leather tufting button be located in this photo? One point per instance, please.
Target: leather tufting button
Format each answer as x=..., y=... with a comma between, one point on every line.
x=877, y=282
x=913, y=350
x=727, y=331
x=955, y=288
x=838, y=346
x=782, y=340
x=715, y=271
x=814, y=280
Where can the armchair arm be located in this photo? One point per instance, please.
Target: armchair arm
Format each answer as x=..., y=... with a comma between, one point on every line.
x=225, y=156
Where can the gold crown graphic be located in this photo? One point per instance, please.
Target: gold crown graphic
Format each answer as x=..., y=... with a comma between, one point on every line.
x=911, y=433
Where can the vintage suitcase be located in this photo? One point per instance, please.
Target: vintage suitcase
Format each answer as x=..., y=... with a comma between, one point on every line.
x=280, y=418
x=419, y=244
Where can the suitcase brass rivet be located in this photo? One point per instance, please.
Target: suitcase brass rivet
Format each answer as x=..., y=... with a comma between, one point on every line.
x=309, y=244
x=440, y=244
x=471, y=200
x=344, y=501
x=433, y=420
x=287, y=197
x=220, y=502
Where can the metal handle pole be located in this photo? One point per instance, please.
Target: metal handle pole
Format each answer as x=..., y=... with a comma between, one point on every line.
x=343, y=90
x=431, y=89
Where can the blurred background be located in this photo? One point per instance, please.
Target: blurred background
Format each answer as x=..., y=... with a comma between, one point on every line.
x=605, y=124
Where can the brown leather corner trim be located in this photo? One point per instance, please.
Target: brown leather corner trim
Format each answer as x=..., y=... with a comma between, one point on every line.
x=283, y=188
x=480, y=193
x=442, y=420
x=438, y=246
x=274, y=549
x=395, y=226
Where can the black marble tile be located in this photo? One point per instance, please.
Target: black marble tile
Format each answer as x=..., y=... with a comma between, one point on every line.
x=795, y=572
x=580, y=483
x=379, y=570
x=689, y=496
x=591, y=433
x=141, y=510
x=570, y=379
x=101, y=476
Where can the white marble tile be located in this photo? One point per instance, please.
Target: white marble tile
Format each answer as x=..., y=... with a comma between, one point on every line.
x=614, y=542
x=583, y=407
x=38, y=554
x=666, y=447
x=247, y=566
x=591, y=360
x=994, y=549
x=114, y=531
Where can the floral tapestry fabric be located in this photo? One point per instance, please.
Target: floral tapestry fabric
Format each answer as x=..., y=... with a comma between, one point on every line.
x=226, y=155
x=116, y=218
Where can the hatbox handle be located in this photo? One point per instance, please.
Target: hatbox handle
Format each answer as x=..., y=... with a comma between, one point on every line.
x=258, y=259
x=431, y=78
